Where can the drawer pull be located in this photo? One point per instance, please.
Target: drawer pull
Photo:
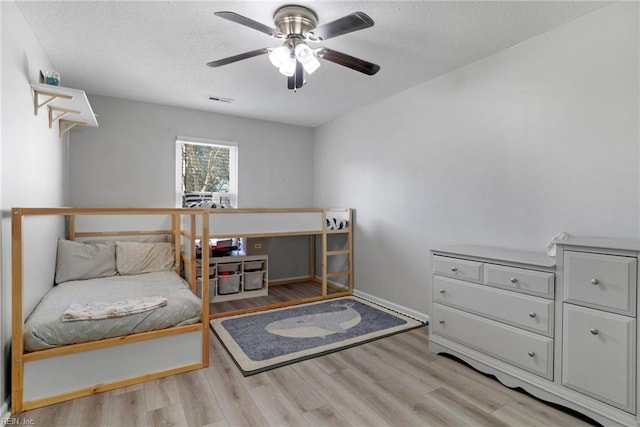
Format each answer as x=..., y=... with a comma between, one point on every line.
x=513, y=280
x=595, y=281
x=531, y=354
x=454, y=269
x=594, y=331
x=441, y=322
x=442, y=291
x=532, y=315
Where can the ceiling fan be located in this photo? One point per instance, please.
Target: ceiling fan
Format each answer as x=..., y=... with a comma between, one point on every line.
x=298, y=27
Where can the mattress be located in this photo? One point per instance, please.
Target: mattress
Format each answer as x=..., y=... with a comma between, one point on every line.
x=44, y=327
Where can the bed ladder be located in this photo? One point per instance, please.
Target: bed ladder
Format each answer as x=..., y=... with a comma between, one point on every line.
x=346, y=229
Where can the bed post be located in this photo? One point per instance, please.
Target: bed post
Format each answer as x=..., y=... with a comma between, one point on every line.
x=17, y=342
x=72, y=227
x=192, y=251
x=204, y=287
x=312, y=257
x=175, y=234
x=350, y=248
x=323, y=259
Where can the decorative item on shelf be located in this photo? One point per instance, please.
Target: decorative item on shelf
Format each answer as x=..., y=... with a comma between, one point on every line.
x=52, y=77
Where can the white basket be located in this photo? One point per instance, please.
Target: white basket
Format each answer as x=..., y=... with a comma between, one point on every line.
x=229, y=266
x=253, y=265
x=229, y=284
x=253, y=281
x=212, y=288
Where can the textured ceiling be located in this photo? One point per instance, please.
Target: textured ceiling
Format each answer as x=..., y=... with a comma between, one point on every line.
x=156, y=51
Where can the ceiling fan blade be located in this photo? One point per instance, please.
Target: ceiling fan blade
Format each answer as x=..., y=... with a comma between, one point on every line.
x=297, y=79
x=239, y=57
x=347, y=24
x=299, y=75
x=248, y=22
x=348, y=61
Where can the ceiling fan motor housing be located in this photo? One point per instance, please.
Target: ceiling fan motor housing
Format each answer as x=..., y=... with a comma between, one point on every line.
x=295, y=20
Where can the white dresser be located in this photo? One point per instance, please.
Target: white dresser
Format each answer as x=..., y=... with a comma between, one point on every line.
x=563, y=329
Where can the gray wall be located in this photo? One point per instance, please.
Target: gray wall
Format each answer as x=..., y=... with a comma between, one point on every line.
x=540, y=138
x=129, y=160
x=32, y=172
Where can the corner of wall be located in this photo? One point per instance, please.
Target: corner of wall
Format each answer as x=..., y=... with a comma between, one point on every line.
x=4, y=410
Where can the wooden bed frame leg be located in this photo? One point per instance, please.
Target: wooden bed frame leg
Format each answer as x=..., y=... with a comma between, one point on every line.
x=324, y=253
x=204, y=289
x=17, y=342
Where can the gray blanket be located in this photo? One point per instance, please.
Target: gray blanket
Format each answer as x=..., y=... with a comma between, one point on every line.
x=45, y=329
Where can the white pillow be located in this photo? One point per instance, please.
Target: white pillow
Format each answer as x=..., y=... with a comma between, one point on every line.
x=78, y=261
x=142, y=257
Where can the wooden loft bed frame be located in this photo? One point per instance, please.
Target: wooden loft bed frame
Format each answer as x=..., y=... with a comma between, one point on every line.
x=184, y=348
x=230, y=223
x=54, y=375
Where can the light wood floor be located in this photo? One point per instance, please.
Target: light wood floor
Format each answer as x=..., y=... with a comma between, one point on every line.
x=393, y=381
x=277, y=294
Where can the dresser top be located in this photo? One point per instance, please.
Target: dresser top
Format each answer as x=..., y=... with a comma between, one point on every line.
x=537, y=259
x=603, y=243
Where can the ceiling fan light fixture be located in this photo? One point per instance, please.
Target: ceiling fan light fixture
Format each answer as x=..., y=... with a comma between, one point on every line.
x=307, y=58
x=279, y=56
x=288, y=68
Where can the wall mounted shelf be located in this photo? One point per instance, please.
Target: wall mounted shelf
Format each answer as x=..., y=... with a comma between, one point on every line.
x=69, y=107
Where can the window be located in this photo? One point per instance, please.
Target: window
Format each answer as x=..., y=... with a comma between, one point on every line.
x=206, y=173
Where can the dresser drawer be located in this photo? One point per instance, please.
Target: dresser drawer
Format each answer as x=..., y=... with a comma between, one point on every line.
x=599, y=356
x=519, y=279
x=459, y=268
x=524, y=311
x=601, y=281
x=526, y=350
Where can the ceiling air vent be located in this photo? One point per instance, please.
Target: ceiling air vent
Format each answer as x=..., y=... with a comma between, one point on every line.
x=221, y=99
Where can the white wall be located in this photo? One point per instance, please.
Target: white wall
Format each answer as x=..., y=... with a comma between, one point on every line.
x=33, y=165
x=540, y=138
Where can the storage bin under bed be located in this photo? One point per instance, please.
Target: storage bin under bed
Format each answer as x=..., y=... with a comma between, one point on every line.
x=229, y=284
x=253, y=280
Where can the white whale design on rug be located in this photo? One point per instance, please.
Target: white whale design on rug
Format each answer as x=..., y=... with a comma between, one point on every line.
x=268, y=339
x=317, y=325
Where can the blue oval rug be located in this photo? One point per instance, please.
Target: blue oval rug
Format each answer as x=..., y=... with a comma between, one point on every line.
x=269, y=339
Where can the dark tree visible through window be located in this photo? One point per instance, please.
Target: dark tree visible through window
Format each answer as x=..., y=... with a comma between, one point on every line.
x=208, y=168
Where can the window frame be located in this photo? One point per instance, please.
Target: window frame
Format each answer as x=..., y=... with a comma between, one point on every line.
x=233, y=167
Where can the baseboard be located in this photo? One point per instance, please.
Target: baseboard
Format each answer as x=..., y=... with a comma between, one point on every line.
x=288, y=280
x=332, y=282
x=393, y=306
